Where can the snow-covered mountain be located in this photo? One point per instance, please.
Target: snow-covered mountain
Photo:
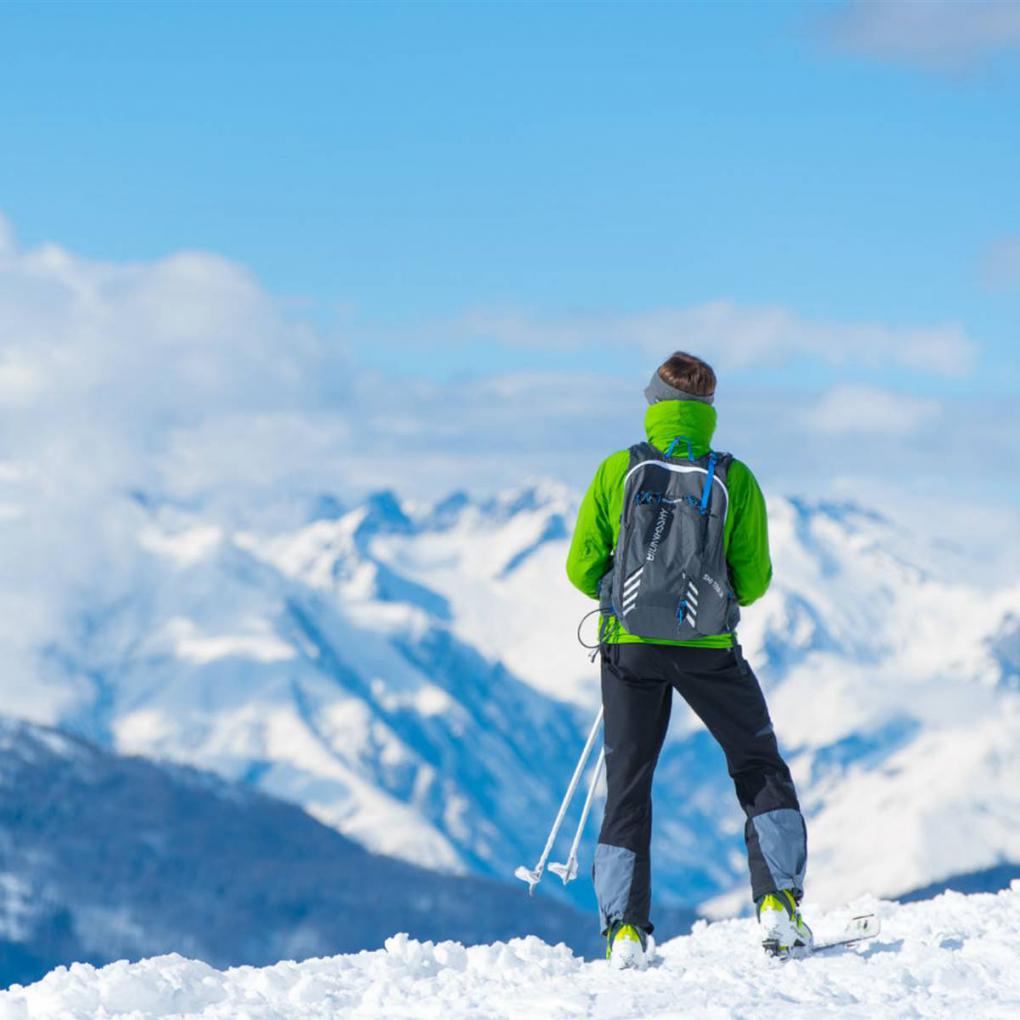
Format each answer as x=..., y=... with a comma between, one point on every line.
x=409, y=673
x=953, y=956
x=104, y=857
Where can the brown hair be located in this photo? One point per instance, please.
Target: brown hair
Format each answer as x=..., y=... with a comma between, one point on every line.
x=685, y=372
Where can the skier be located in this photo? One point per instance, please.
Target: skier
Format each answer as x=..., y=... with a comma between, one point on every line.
x=672, y=537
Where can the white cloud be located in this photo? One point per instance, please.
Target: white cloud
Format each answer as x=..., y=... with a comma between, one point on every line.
x=731, y=336
x=870, y=411
x=947, y=35
x=183, y=377
x=20, y=381
x=98, y=356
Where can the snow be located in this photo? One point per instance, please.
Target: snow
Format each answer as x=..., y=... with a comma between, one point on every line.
x=190, y=645
x=951, y=956
x=500, y=566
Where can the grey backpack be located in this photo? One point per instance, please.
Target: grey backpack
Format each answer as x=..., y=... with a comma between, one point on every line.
x=669, y=578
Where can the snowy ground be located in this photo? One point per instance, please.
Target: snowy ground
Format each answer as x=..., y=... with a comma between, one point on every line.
x=952, y=956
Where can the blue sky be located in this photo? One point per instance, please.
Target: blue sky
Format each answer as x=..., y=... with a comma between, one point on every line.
x=401, y=162
x=531, y=204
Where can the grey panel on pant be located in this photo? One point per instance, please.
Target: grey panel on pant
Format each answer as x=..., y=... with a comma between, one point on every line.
x=614, y=873
x=782, y=840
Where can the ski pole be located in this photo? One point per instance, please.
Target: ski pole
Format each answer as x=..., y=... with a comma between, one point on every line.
x=568, y=871
x=534, y=876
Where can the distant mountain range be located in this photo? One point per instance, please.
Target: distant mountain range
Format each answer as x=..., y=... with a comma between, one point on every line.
x=408, y=673
x=104, y=857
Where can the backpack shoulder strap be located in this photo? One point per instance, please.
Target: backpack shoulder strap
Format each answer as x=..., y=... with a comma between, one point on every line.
x=722, y=460
x=644, y=451
x=718, y=466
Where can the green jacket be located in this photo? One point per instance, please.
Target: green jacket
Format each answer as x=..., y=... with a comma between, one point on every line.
x=745, y=535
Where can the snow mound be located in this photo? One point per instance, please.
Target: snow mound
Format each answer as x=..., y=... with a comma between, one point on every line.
x=954, y=955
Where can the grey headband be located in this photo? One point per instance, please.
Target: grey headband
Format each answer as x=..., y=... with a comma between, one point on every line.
x=658, y=390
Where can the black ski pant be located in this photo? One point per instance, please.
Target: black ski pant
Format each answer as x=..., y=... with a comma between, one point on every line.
x=637, y=688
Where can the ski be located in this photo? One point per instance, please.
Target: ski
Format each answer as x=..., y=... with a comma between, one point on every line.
x=858, y=929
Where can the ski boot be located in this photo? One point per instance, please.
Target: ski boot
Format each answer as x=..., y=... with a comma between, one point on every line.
x=628, y=946
x=783, y=931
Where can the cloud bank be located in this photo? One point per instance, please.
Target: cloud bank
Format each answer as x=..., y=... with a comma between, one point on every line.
x=182, y=380
x=870, y=411
x=182, y=377
x=734, y=337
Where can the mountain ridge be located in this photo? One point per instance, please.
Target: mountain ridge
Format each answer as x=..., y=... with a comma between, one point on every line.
x=407, y=672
